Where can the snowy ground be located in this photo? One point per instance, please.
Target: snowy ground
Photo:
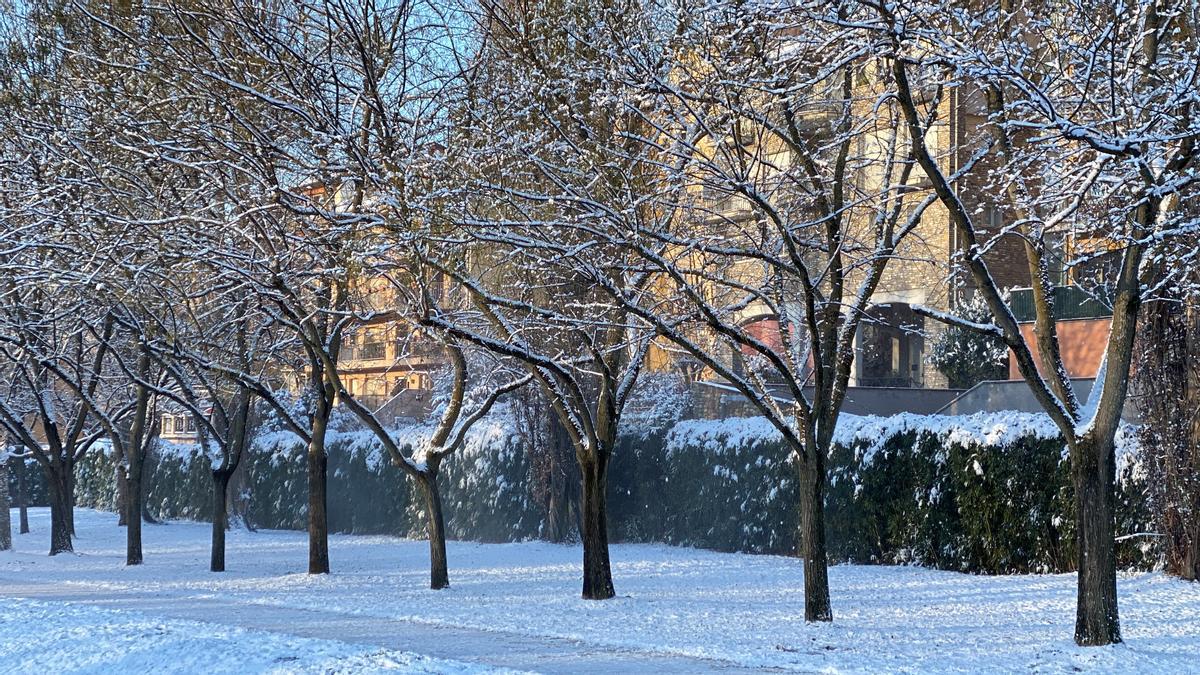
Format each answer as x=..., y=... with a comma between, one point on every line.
x=49, y=636
x=516, y=605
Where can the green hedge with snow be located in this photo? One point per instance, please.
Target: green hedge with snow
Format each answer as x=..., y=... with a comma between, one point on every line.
x=35, y=486
x=178, y=482
x=482, y=485
x=982, y=493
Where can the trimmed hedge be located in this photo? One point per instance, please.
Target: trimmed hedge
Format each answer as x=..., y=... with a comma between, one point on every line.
x=35, y=484
x=986, y=493
x=482, y=487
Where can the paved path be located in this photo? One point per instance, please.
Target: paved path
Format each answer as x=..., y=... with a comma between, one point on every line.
x=510, y=650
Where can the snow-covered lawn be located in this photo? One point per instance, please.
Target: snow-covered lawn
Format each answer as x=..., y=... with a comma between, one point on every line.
x=739, y=610
x=56, y=638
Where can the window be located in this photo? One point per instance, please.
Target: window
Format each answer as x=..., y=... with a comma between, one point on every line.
x=399, y=384
x=374, y=345
x=991, y=220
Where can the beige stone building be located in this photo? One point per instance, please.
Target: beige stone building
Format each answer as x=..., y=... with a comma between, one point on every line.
x=892, y=345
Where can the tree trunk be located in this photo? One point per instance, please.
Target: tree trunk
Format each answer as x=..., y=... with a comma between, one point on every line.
x=318, y=520
x=597, y=571
x=1168, y=384
x=1185, y=559
x=5, y=514
x=1096, y=620
x=144, y=487
x=812, y=540
x=122, y=495
x=220, y=520
x=22, y=496
x=60, y=533
x=133, y=515
x=439, y=576
x=70, y=479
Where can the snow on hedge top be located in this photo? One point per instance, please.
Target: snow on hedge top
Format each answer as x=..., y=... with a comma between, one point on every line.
x=869, y=433
x=980, y=429
x=494, y=431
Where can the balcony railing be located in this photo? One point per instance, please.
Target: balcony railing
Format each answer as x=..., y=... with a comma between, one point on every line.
x=1070, y=302
x=369, y=351
x=891, y=381
x=725, y=206
x=404, y=349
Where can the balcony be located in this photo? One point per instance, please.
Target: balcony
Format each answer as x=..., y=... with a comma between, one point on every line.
x=720, y=207
x=367, y=351
x=1070, y=302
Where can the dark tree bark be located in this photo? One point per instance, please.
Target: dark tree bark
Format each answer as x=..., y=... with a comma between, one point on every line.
x=817, y=606
x=5, y=512
x=133, y=513
x=318, y=517
x=555, y=472
x=70, y=479
x=230, y=434
x=148, y=460
x=56, y=434
x=447, y=437
x=22, y=495
x=60, y=533
x=1092, y=450
x=134, y=443
x=439, y=575
x=1168, y=386
x=597, y=570
x=220, y=519
x=136, y=456
x=122, y=495
x=1096, y=619
x=1093, y=464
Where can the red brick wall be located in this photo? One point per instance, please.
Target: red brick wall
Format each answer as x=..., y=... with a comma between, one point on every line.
x=767, y=332
x=1082, y=342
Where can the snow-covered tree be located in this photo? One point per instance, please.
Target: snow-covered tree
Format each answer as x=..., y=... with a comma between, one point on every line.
x=723, y=166
x=967, y=357
x=1167, y=389
x=535, y=121
x=51, y=366
x=1090, y=128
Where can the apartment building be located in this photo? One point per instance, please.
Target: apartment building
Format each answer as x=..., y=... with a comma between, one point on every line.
x=893, y=343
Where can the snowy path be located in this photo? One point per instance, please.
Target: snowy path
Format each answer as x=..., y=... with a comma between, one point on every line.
x=56, y=637
x=508, y=650
x=678, y=610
